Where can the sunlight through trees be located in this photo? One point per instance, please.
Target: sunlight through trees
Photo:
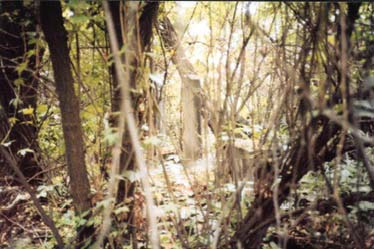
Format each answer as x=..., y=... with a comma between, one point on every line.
x=195, y=124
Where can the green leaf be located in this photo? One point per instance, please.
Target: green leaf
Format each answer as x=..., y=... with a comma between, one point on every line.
x=42, y=109
x=366, y=205
x=21, y=67
x=12, y=120
x=23, y=152
x=19, y=82
x=44, y=189
x=123, y=209
x=31, y=52
x=15, y=102
x=338, y=108
x=79, y=19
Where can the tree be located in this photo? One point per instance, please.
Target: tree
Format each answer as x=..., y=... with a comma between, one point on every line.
x=18, y=85
x=146, y=20
x=55, y=34
x=139, y=38
x=285, y=103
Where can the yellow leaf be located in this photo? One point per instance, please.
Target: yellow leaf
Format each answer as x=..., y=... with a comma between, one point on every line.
x=27, y=111
x=12, y=120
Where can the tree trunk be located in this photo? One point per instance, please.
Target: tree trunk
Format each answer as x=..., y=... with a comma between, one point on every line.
x=18, y=89
x=127, y=162
x=56, y=36
x=126, y=188
x=145, y=25
x=191, y=91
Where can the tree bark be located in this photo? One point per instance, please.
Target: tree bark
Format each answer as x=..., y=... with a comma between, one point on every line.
x=56, y=36
x=127, y=162
x=143, y=31
x=20, y=86
x=146, y=20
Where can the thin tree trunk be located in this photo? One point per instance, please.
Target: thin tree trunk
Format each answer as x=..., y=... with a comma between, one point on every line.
x=146, y=20
x=126, y=188
x=56, y=37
